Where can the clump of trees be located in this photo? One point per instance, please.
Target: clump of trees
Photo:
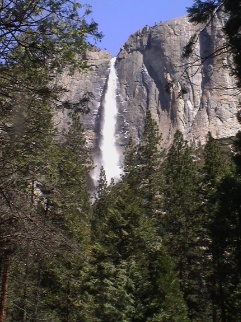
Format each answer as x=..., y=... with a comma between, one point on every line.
x=43, y=196
x=166, y=239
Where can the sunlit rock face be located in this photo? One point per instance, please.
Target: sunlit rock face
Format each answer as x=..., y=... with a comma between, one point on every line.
x=201, y=98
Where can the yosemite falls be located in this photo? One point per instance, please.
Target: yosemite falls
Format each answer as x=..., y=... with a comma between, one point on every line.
x=153, y=75
x=109, y=156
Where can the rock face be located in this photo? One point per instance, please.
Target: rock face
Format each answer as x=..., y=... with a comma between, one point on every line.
x=181, y=92
x=79, y=85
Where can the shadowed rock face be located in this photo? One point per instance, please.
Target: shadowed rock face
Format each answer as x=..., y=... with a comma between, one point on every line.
x=200, y=98
x=93, y=80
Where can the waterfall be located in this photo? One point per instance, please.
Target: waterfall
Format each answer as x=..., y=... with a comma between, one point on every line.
x=109, y=153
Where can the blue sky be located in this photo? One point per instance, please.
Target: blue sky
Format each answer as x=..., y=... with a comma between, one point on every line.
x=118, y=19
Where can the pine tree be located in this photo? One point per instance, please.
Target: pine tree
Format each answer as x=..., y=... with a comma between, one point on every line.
x=182, y=224
x=70, y=213
x=215, y=168
x=130, y=277
x=105, y=279
x=150, y=156
x=47, y=264
x=216, y=164
x=22, y=160
x=131, y=169
x=38, y=39
x=222, y=205
x=142, y=166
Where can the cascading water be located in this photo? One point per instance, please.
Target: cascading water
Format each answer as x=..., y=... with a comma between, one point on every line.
x=109, y=153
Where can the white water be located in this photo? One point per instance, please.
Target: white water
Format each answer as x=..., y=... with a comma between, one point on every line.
x=109, y=153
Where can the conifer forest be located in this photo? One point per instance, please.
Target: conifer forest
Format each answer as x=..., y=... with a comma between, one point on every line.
x=161, y=245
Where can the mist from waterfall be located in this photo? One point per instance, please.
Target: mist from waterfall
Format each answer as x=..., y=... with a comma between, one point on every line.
x=109, y=154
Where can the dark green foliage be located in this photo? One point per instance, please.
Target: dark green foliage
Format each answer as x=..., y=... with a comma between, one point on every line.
x=237, y=149
x=44, y=30
x=142, y=166
x=226, y=249
x=107, y=283
x=129, y=260
x=221, y=189
x=43, y=194
x=73, y=165
x=150, y=157
x=47, y=265
x=216, y=164
x=182, y=224
x=215, y=168
x=202, y=11
x=223, y=206
x=131, y=165
x=70, y=213
x=130, y=277
x=196, y=239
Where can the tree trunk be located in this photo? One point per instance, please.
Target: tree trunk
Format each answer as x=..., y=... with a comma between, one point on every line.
x=68, y=302
x=25, y=286
x=4, y=291
x=37, y=294
x=222, y=303
x=38, y=290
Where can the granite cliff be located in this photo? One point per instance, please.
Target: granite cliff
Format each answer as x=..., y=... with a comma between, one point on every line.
x=92, y=81
x=181, y=93
x=153, y=75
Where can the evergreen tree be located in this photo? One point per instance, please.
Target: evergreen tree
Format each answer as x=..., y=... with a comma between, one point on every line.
x=105, y=280
x=226, y=235
x=182, y=225
x=131, y=169
x=38, y=39
x=129, y=274
x=47, y=263
x=222, y=206
x=215, y=169
x=22, y=166
x=142, y=166
x=216, y=164
x=150, y=157
x=69, y=213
